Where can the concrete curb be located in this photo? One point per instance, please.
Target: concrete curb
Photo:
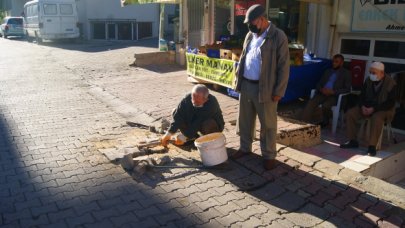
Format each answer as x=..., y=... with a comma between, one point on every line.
x=122, y=108
x=384, y=190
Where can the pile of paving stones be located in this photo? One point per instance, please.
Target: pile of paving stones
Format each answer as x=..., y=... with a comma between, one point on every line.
x=137, y=160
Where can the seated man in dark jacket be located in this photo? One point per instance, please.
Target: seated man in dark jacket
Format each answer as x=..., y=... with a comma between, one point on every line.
x=199, y=111
x=377, y=103
x=333, y=83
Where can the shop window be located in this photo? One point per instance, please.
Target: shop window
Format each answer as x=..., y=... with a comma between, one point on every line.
x=144, y=30
x=111, y=31
x=394, y=67
x=124, y=31
x=355, y=47
x=135, y=30
x=291, y=17
x=99, y=30
x=222, y=19
x=389, y=49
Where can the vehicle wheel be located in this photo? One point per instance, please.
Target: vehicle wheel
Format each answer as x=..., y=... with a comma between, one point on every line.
x=38, y=39
x=5, y=36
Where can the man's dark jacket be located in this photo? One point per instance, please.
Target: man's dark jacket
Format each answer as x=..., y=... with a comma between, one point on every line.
x=342, y=84
x=191, y=117
x=381, y=99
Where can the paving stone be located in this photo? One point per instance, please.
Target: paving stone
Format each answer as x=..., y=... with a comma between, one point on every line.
x=308, y=216
x=150, y=211
x=61, y=215
x=269, y=191
x=320, y=198
x=380, y=209
x=35, y=221
x=251, y=222
x=166, y=218
x=341, y=202
x=349, y=214
x=212, y=223
x=80, y=220
x=208, y=215
x=230, y=219
x=289, y=201
x=335, y=221
x=363, y=223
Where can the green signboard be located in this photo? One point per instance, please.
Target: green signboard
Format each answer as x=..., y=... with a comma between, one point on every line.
x=218, y=71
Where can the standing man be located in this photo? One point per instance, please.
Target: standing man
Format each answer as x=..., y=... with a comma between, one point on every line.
x=334, y=82
x=377, y=103
x=262, y=78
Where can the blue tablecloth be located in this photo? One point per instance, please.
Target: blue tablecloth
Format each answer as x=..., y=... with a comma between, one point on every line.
x=302, y=79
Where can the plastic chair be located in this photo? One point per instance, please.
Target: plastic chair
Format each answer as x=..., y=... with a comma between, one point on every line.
x=335, y=110
x=387, y=126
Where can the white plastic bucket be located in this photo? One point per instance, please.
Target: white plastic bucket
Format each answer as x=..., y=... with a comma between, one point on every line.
x=212, y=149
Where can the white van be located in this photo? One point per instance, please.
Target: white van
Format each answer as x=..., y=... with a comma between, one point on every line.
x=51, y=20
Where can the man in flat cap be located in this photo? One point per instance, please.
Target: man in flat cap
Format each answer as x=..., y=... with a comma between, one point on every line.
x=377, y=103
x=262, y=78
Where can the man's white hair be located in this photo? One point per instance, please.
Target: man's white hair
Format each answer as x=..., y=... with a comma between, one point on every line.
x=200, y=89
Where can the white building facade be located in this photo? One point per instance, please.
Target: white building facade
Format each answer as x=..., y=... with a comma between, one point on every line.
x=108, y=20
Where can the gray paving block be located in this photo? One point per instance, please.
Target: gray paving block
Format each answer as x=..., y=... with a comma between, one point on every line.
x=308, y=216
x=288, y=201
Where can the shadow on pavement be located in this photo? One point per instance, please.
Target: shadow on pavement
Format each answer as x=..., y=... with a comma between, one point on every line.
x=164, y=68
x=94, y=46
x=295, y=192
x=37, y=190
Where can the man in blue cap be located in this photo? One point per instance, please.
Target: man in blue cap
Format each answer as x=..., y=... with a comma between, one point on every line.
x=262, y=78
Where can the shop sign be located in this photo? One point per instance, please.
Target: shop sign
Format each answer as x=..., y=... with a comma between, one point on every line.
x=378, y=16
x=218, y=71
x=241, y=6
x=274, y=12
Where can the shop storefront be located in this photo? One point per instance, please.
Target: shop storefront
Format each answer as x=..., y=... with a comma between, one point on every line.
x=375, y=31
x=214, y=45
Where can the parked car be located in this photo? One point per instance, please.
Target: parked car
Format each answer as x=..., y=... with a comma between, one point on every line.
x=12, y=26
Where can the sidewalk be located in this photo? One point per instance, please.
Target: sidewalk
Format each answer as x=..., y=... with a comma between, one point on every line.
x=304, y=190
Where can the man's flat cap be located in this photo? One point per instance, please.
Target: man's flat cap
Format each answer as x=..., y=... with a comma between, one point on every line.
x=254, y=12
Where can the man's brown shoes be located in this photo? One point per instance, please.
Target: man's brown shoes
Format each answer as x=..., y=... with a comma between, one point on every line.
x=269, y=164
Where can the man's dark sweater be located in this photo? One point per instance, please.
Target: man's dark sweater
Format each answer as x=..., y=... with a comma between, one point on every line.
x=379, y=95
x=189, y=117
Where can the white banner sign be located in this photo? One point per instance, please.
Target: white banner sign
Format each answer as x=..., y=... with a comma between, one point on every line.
x=379, y=16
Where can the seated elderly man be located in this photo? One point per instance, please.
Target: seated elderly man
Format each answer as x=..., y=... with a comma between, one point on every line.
x=334, y=82
x=377, y=103
x=199, y=111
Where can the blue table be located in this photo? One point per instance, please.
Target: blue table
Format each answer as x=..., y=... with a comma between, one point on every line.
x=302, y=79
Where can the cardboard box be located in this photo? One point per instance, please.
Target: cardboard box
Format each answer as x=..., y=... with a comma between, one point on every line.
x=202, y=50
x=296, y=56
x=236, y=53
x=226, y=54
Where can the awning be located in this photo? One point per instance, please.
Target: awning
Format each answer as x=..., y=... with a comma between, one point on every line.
x=128, y=2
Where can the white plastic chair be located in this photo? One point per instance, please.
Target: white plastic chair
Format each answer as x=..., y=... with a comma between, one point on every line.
x=335, y=110
x=387, y=126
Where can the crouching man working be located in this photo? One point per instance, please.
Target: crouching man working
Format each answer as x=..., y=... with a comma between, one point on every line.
x=377, y=103
x=199, y=112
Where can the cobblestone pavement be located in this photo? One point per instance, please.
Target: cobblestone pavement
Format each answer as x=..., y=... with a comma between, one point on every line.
x=52, y=174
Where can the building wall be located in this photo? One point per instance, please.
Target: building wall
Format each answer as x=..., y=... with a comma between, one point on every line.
x=112, y=10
